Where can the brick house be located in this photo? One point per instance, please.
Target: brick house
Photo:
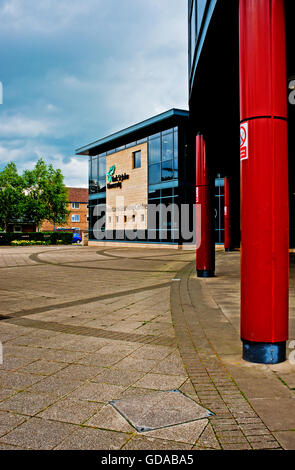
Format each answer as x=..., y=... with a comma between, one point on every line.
x=78, y=217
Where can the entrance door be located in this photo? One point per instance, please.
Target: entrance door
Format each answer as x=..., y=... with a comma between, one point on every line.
x=219, y=209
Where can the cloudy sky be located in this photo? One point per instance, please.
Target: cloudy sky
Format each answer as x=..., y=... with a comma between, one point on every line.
x=74, y=71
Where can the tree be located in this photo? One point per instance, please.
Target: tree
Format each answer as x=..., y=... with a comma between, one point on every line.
x=46, y=194
x=11, y=195
x=57, y=197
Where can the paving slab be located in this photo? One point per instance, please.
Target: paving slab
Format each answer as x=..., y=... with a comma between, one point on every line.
x=147, y=443
x=27, y=402
x=126, y=331
x=9, y=421
x=187, y=433
x=93, y=439
x=159, y=410
x=99, y=392
x=69, y=410
x=286, y=439
x=38, y=434
x=109, y=418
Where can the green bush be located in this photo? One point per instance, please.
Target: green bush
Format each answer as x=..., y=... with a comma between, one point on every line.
x=28, y=242
x=49, y=238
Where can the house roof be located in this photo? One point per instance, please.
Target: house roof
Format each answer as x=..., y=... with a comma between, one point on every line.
x=78, y=194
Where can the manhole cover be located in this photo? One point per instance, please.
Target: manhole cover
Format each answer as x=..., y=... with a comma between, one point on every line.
x=159, y=410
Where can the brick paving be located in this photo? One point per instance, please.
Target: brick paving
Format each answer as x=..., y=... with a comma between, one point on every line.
x=81, y=327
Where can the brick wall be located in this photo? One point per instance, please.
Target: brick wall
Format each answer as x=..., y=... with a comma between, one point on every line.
x=76, y=196
x=134, y=190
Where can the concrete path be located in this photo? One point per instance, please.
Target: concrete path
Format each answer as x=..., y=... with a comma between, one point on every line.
x=82, y=327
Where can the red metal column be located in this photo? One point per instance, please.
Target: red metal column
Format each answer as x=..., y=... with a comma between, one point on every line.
x=205, y=262
x=227, y=215
x=264, y=181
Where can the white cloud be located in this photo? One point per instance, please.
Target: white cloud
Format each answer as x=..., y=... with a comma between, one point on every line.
x=25, y=155
x=46, y=16
x=21, y=126
x=76, y=71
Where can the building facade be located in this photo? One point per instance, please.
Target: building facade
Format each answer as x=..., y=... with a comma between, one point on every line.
x=134, y=176
x=78, y=208
x=242, y=101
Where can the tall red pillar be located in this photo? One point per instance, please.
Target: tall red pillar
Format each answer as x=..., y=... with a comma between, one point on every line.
x=227, y=216
x=264, y=181
x=205, y=263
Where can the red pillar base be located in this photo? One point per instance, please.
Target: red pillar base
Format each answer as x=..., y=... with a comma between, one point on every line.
x=264, y=353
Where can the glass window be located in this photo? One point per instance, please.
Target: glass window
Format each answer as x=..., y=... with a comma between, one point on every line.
x=137, y=159
x=201, y=5
x=101, y=167
x=94, y=169
x=75, y=218
x=167, y=192
x=155, y=151
x=101, y=185
x=155, y=173
x=193, y=30
x=75, y=205
x=167, y=170
x=154, y=194
x=122, y=147
x=167, y=147
x=154, y=136
x=167, y=131
x=176, y=143
x=131, y=144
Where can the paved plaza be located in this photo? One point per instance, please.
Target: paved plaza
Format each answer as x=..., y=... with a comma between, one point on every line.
x=125, y=348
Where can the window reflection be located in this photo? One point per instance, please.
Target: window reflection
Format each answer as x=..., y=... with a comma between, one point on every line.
x=164, y=150
x=155, y=173
x=201, y=5
x=193, y=30
x=154, y=151
x=167, y=147
x=167, y=170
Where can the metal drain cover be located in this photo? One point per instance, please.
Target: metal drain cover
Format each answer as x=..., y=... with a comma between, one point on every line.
x=159, y=410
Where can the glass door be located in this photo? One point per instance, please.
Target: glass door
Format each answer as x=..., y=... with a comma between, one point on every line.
x=219, y=209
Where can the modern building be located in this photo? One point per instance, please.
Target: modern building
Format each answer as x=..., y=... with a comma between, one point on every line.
x=214, y=94
x=144, y=167
x=78, y=216
x=242, y=102
x=233, y=151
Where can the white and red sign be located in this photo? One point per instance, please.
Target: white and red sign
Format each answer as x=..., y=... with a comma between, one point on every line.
x=244, y=141
x=197, y=194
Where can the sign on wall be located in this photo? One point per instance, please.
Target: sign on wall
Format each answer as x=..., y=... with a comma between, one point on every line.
x=115, y=181
x=244, y=141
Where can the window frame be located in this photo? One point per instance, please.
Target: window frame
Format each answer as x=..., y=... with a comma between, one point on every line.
x=134, y=155
x=74, y=216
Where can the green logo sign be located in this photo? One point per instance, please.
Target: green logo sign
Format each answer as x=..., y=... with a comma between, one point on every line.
x=110, y=173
